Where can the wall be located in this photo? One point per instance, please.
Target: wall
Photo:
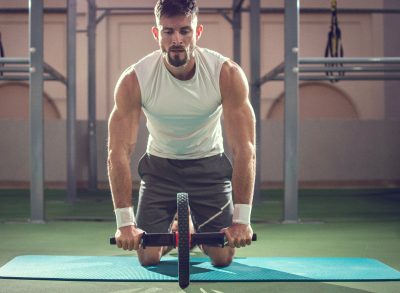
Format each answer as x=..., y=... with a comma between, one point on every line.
x=331, y=152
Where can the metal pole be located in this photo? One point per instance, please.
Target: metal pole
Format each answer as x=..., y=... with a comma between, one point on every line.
x=92, y=174
x=255, y=89
x=342, y=78
x=354, y=77
x=53, y=73
x=71, y=102
x=36, y=133
x=291, y=111
x=14, y=60
x=25, y=10
x=274, y=73
x=25, y=77
x=14, y=69
x=350, y=69
x=237, y=30
x=351, y=60
x=328, y=10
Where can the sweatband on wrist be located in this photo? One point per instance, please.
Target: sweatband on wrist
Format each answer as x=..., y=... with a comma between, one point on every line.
x=241, y=214
x=125, y=217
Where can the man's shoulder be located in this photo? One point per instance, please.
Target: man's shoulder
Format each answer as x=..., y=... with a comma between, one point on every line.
x=208, y=53
x=147, y=66
x=231, y=69
x=149, y=58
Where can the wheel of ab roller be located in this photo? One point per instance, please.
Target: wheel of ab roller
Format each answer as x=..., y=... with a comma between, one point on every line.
x=183, y=240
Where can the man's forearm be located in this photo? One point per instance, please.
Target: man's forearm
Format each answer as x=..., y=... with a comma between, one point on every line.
x=120, y=179
x=243, y=177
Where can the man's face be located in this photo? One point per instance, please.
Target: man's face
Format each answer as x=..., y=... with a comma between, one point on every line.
x=177, y=37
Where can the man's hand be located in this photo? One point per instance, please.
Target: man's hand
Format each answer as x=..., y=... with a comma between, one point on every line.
x=238, y=235
x=128, y=238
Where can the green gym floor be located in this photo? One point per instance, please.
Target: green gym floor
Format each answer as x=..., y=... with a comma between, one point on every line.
x=334, y=223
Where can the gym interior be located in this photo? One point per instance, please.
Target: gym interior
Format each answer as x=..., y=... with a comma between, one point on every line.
x=328, y=132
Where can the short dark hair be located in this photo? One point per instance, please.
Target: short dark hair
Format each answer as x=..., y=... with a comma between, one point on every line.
x=171, y=8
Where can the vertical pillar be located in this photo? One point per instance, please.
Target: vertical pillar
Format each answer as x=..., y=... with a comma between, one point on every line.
x=255, y=89
x=392, y=44
x=92, y=174
x=291, y=119
x=237, y=30
x=36, y=131
x=71, y=102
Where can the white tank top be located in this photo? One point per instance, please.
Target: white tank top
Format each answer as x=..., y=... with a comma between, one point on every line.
x=183, y=116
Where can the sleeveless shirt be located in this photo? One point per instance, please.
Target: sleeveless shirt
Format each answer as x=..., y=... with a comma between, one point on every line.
x=183, y=116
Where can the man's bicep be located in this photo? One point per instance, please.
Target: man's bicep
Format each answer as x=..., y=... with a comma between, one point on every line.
x=122, y=125
x=127, y=95
x=239, y=123
x=125, y=116
x=239, y=119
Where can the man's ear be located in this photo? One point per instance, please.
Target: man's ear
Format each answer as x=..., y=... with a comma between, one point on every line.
x=199, y=31
x=155, y=32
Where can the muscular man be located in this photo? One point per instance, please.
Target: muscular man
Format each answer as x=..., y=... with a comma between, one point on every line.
x=183, y=90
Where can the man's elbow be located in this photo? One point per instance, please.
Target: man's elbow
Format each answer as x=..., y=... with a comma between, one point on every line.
x=244, y=150
x=116, y=158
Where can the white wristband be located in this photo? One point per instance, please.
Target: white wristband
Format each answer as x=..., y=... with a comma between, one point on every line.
x=125, y=217
x=241, y=214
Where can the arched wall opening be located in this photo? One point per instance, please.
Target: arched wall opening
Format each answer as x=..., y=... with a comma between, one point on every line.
x=14, y=101
x=318, y=101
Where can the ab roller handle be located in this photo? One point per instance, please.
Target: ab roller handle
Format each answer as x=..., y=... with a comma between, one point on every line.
x=170, y=239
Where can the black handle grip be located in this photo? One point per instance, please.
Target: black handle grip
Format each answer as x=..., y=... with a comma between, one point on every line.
x=213, y=239
x=158, y=239
x=168, y=239
x=153, y=239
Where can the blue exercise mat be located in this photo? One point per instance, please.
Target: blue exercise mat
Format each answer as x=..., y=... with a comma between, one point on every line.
x=120, y=268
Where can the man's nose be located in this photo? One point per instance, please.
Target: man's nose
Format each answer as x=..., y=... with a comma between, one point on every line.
x=177, y=38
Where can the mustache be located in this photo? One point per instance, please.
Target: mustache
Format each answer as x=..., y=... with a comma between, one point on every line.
x=176, y=48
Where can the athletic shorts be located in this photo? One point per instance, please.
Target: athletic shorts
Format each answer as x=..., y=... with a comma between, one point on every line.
x=206, y=180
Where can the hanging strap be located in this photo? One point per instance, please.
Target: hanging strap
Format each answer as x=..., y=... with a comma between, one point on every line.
x=1, y=54
x=334, y=47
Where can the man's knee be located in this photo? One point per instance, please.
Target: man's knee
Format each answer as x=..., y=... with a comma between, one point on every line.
x=222, y=260
x=149, y=256
x=220, y=257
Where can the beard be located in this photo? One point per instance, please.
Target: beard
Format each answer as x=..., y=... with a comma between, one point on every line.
x=178, y=56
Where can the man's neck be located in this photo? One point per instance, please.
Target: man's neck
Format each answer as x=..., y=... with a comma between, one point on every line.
x=185, y=72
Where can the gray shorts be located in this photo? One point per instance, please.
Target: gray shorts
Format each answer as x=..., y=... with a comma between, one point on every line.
x=206, y=180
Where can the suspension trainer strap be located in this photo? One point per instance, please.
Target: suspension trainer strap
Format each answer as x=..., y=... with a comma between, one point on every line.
x=334, y=47
x=1, y=53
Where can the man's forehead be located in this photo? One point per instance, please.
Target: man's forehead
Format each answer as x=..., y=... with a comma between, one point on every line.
x=178, y=21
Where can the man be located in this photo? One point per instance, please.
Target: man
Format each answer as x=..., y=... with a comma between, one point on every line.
x=183, y=89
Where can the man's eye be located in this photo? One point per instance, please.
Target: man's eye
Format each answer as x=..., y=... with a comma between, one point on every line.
x=185, y=31
x=168, y=32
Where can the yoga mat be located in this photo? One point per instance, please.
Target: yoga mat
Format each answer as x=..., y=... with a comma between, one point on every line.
x=120, y=268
